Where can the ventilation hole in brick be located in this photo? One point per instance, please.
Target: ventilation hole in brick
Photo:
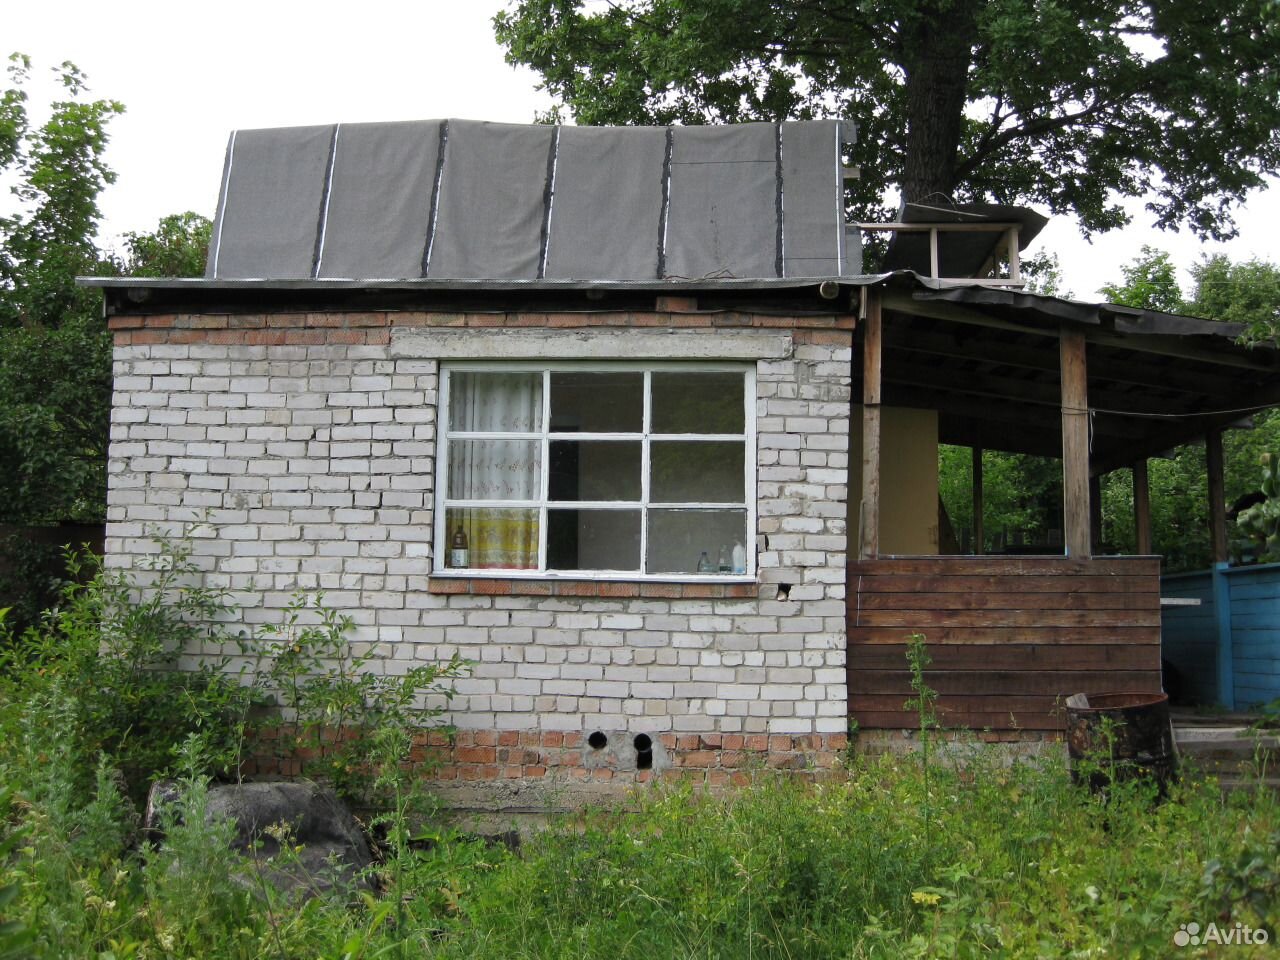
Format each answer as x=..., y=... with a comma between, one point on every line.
x=644, y=751
x=784, y=591
x=597, y=741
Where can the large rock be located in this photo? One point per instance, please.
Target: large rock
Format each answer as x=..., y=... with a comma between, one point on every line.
x=331, y=849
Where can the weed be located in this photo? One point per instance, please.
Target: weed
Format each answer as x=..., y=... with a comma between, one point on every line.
x=339, y=703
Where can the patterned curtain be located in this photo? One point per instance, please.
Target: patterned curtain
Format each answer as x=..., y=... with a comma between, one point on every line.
x=496, y=468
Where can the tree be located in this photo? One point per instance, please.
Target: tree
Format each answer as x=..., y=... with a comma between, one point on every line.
x=1246, y=292
x=1150, y=283
x=59, y=171
x=1070, y=104
x=176, y=248
x=55, y=352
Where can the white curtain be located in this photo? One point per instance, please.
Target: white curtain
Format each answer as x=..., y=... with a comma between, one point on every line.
x=496, y=469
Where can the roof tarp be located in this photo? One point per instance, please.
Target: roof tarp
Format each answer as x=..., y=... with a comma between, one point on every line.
x=367, y=232
x=466, y=200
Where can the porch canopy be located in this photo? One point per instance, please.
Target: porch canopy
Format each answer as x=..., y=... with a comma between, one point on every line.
x=989, y=361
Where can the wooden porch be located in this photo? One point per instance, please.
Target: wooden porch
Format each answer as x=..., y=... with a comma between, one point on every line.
x=1099, y=387
x=1010, y=638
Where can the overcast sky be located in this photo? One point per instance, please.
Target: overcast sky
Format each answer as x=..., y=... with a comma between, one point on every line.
x=189, y=74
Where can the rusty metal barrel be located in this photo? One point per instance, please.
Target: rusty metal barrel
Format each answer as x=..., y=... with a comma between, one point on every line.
x=1128, y=735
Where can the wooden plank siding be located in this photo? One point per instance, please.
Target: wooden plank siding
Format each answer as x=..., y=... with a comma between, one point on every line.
x=1010, y=637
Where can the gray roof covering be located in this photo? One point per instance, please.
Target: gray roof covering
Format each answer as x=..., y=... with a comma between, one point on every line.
x=466, y=200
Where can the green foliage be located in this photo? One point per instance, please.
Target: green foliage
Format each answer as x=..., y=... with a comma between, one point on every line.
x=55, y=351
x=55, y=411
x=1022, y=495
x=1261, y=522
x=102, y=667
x=1042, y=273
x=341, y=707
x=32, y=578
x=1071, y=105
x=1246, y=292
x=60, y=172
x=177, y=247
x=1150, y=283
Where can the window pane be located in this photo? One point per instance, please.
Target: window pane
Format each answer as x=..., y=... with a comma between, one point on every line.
x=494, y=469
x=593, y=539
x=486, y=538
x=495, y=402
x=597, y=402
x=678, y=539
x=696, y=471
x=698, y=403
x=594, y=470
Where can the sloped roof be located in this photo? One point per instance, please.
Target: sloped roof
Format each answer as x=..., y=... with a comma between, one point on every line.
x=468, y=200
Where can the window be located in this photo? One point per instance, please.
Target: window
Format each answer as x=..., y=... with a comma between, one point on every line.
x=621, y=470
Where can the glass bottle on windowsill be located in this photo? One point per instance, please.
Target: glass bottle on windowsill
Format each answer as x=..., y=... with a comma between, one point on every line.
x=704, y=563
x=459, y=554
x=722, y=565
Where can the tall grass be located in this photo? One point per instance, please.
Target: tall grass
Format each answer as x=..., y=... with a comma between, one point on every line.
x=915, y=856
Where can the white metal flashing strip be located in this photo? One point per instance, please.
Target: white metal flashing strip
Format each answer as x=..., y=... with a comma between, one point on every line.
x=551, y=201
x=328, y=193
x=222, y=214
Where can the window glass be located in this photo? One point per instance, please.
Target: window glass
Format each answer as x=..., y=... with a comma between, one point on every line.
x=490, y=538
x=681, y=540
x=597, y=402
x=593, y=540
x=692, y=471
x=495, y=402
x=594, y=470
x=494, y=469
x=698, y=402
x=627, y=472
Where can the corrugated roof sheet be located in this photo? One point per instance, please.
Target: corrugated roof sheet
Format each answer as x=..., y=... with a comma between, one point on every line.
x=461, y=199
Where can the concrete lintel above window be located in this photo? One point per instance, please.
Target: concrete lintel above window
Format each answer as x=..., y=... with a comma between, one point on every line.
x=604, y=343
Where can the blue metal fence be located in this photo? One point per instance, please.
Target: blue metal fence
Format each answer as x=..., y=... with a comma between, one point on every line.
x=1227, y=649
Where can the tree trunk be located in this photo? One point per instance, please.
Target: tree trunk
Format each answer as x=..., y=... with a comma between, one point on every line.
x=937, y=53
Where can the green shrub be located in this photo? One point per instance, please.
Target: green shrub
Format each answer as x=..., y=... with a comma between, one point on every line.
x=338, y=703
x=101, y=668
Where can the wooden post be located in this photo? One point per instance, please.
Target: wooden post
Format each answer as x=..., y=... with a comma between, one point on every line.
x=979, y=535
x=1217, y=496
x=871, y=353
x=1142, y=507
x=1075, y=444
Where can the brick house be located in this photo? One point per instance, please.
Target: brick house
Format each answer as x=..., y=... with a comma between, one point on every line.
x=586, y=406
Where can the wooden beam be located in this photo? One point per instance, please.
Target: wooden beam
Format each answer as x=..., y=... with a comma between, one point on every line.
x=1217, y=496
x=1113, y=456
x=872, y=346
x=1142, y=506
x=979, y=540
x=1075, y=444
x=1039, y=355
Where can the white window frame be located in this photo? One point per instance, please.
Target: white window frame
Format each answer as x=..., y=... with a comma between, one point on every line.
x=546, y=436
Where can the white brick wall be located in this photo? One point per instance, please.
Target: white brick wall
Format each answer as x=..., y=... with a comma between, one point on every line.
x=314, y=467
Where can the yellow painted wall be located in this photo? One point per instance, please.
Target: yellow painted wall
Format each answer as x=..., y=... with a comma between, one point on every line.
x=908, y=481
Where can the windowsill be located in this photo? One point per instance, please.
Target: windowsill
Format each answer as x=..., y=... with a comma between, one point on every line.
x=610, y=589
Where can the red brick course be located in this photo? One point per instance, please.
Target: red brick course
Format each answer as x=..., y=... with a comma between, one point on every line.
x=711, y=759
x=374, y=327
